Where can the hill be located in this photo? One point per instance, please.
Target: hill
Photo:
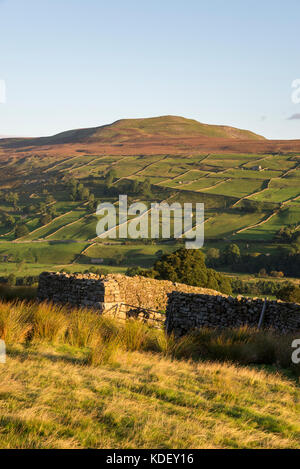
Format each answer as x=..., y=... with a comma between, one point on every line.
x=250, y=189
x=149, y=136
x=155, y=127
x=139, y=129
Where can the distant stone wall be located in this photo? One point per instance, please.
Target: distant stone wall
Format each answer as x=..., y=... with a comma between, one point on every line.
x=188, y=311
x=186, y=307
x=114, y=292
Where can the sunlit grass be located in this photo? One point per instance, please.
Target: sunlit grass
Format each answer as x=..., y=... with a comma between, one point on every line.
x=74, y=379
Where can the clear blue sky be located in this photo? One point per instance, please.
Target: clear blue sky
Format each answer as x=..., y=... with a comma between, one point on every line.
x=81, y=63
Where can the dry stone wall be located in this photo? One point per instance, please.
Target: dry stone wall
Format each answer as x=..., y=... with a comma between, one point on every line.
x=186, y=307
x=186, y=311
x=115, y=293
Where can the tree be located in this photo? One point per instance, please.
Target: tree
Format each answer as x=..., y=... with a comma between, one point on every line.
x=85, y=194
x=73, y=184
x=262, y=273
x=289, y=293
x=92, y=202
x=52, y=211
x=132, y=271
x=50, y=199
x=32, y=209
x=11, y=280
x=159, y=253
x=42, y=207
x=21, y=230
x=188, y=266
x=135, y=187
x=9, y=220
x=146, y=188
x=79, y=191
x=45, y=219
x=109, y=178
x=12, y=198
x=212, y=256
x=231, y=254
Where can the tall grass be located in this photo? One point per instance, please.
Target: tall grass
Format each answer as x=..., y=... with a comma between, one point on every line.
x=49, y=322
x=15, y=322
x=22, y=322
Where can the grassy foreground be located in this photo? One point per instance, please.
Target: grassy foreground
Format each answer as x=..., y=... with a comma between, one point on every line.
x=74, y=380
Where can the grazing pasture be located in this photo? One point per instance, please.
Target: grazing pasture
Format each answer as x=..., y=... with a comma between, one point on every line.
x=53, y=191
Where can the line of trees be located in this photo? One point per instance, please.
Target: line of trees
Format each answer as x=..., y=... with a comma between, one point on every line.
x=282, y=263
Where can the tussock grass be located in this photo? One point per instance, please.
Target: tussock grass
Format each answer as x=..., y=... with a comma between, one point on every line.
x=74, y=379
x=49, y=323
x=23, y=322
x=15, y=322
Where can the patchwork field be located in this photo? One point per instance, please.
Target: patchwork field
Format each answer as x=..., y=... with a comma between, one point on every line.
x=248, y=195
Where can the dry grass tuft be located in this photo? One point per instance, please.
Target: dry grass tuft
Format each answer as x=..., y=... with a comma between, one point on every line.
x=74, y=379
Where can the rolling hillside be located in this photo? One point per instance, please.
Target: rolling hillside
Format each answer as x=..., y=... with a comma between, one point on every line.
x=150, y=136
x=52, y=185
x=140, y=129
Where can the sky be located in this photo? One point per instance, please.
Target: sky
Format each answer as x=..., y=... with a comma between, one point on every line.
x=82, y=63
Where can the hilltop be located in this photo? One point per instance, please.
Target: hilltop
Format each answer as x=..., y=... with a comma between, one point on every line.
x=139, y=129
x=146, y=136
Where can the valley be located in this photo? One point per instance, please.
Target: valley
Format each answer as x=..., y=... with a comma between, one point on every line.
x=51, y=188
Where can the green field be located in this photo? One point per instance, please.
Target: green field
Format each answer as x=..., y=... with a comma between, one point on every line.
x=225, y=183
